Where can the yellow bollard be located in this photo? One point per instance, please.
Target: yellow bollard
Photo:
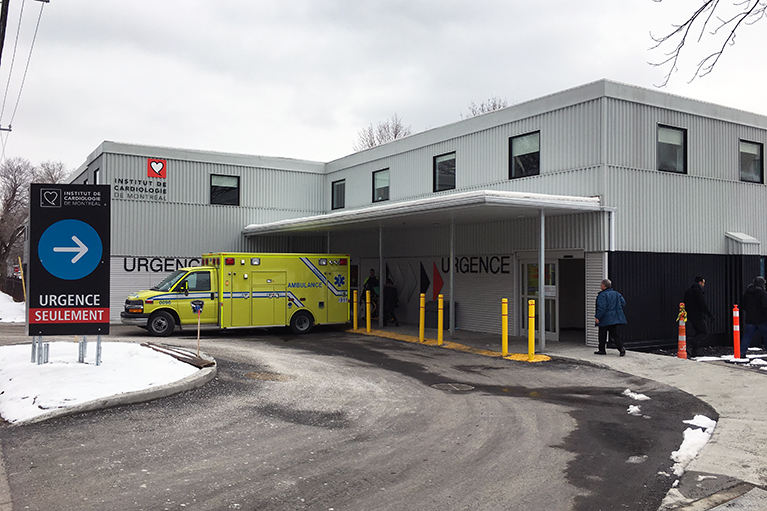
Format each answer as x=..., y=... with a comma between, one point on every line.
x=505, y=327
x=440, y=319
x=422, y=318
x=367, y=310
x=23, y=283
x=355, y=310
x=530, y=330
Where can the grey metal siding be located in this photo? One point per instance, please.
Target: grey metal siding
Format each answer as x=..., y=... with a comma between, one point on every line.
x=570, y=139
x=667, y=212
x=595, y=272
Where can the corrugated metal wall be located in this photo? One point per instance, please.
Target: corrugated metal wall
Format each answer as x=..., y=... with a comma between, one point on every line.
x=477, y=295
x=570, y=139
x=186, y=223
x=595, y=272
x=678, y=213
x=656, y=211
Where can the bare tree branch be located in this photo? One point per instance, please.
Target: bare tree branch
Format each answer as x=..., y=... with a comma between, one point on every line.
x=15, y=176
x=492, y=104
x=747, y=13
x=385, y=131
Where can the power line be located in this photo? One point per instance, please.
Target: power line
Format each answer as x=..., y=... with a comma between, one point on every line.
x=26, y=68
x=13, y=60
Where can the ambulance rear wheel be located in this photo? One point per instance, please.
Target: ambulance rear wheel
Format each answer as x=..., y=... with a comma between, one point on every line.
x=302, y=322
x=161, y=324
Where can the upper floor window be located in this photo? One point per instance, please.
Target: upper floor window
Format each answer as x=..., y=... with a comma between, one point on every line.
x=225, y=190
x=338, y=194
x=751, y=167
x=444, y=172
x=381, y=185
x=525, y=153
x=672, y=149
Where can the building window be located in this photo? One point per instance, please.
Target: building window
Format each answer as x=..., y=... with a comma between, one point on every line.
x=444, y=172
x=381, y=185
x=672, y=149
x=751, y=168
x=338, y=193
x=525, y=153
x=225, y=190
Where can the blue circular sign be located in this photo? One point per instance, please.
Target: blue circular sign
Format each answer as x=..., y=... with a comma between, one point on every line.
x=70, y=249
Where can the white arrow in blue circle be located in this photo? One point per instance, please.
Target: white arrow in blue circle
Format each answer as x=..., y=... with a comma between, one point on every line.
x=81, y=249
x=67, y=237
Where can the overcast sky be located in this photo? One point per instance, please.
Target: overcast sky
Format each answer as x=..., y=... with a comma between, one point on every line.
x=298, y=79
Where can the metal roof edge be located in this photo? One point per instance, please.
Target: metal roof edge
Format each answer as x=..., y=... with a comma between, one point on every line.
x=455, y=200
x=242, y=160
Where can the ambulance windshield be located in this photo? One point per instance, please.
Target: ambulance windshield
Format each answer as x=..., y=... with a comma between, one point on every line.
x=169, y=281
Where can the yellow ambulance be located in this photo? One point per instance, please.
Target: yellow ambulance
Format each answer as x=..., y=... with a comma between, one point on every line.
x=241, y=290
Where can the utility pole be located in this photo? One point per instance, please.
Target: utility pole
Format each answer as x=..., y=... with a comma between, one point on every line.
x=3, y=23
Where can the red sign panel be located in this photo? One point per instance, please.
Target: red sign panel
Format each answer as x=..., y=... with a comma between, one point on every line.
x=58, y=315
x=157, y=168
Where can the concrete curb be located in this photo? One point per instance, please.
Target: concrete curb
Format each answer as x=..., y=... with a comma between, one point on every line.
x=192, y=381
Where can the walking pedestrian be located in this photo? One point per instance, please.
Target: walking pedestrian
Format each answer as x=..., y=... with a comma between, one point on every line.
x=697, y=311
x=754, y=306
x=609, y=315
x=391, y=302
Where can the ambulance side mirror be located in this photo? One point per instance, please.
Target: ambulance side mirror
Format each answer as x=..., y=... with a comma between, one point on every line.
x=184, y=287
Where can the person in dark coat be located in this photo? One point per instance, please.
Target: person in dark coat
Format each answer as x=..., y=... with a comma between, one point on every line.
x=608, y=316
x=391, y=302
x=753, y=306
x=697, y=311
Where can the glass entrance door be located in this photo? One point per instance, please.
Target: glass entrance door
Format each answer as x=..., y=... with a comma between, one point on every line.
x=529, y=288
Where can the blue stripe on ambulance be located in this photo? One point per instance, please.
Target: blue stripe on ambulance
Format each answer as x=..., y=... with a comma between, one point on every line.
x=239, y=294
x=320, y=276
x=179, y=296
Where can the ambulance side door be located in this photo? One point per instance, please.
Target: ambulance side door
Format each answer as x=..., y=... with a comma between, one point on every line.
x=197, y=285
x=269, y=302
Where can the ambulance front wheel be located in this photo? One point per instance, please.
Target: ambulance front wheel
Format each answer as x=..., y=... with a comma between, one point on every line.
x=302, y=322
x=161, y=324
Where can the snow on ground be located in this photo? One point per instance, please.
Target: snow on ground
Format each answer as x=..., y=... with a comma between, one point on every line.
x=635, y=396
x=694, y=440
x=10, y=311
x=28, y=390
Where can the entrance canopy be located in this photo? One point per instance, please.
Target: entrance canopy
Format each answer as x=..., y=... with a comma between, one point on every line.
x=465, y=207
x=456, y=208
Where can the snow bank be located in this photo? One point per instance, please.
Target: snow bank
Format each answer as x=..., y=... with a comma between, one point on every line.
x=28, y=390
x=10, y=311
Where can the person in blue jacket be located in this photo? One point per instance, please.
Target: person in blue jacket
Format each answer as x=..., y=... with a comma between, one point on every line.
x=609, y=315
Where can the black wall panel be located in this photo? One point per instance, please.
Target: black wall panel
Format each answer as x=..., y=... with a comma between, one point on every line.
x=654, y=285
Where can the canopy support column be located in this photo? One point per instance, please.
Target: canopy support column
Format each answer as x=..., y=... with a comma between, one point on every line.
x=541, y=284
x=381, y=278
x=452, y=278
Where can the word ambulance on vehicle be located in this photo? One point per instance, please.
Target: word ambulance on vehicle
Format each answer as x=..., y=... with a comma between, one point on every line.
x=240, y=290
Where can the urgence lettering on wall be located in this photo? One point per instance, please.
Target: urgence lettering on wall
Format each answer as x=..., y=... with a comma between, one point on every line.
x=157, y=264
x=479, y=264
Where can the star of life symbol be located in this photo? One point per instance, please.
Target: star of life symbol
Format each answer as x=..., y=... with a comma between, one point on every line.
x=339, y=280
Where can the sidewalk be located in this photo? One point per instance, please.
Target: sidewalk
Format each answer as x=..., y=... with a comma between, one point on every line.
x=735, y=454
